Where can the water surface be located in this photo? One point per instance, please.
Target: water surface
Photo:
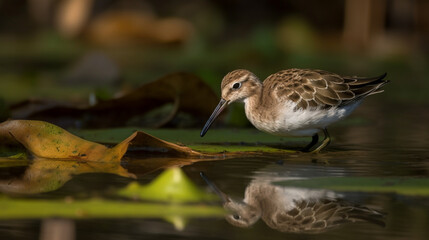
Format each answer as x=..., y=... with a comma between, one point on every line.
x=387, y=143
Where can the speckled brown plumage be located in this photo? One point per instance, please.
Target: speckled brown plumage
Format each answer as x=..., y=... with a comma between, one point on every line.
x=318, y=88
x=296, y=210
x=317, y=216
x=234, y=75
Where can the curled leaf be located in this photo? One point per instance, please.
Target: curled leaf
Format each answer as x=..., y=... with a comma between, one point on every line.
x=46, y=140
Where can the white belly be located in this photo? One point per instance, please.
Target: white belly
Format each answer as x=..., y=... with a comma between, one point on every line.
x=290, y=122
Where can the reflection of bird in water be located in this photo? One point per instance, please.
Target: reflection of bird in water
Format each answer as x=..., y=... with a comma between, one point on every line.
x=296, y=210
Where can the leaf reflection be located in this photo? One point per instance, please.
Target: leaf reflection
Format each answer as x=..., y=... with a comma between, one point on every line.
x=44, y=175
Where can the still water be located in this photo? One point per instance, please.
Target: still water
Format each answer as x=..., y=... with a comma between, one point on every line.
x=388, y=143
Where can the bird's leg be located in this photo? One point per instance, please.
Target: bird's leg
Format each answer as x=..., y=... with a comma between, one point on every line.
x=325, y=142
x=314, y=141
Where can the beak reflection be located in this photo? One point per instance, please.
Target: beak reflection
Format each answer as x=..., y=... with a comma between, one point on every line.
x=222, y=195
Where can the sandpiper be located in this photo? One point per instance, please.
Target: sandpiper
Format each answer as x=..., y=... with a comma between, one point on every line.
x=295, y=102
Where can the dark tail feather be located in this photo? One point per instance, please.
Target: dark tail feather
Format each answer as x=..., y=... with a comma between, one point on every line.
x=363, y=87
x=352, y=81
x=367, y=215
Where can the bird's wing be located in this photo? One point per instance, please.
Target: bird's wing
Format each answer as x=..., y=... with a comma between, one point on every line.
x=317, y=88
x=320, y=215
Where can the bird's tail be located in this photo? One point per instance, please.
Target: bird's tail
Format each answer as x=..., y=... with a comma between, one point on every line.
x=365, y=86
x=365, y=214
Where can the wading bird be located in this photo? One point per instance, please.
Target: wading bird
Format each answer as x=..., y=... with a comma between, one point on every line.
x=295, y=102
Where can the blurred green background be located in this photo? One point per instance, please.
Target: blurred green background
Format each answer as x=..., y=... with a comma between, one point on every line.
x=67, y=49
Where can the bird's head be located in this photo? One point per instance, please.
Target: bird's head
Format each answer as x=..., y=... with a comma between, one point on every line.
x=239, y=85
x=239, y=214
x=236, y=86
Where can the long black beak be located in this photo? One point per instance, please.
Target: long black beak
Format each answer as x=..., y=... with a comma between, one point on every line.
x=219, y=108
x=222, y=195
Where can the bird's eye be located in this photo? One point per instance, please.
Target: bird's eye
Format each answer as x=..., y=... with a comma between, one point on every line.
x=236, y=85
x=236, y=217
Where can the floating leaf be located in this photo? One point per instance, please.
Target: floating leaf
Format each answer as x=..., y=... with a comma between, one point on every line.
x=398, y=185
x=150, y=144
x=225, y=141
x=13, y=208
x=170, y=186
x=57, y=155
x=46, y=140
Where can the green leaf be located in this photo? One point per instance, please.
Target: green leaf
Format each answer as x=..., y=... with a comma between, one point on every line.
x=398, y=185
x=98, y=208
x=172, y=185
x=215, y=141
x=215, y=148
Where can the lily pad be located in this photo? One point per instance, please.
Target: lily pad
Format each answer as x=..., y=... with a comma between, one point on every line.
x=172, y=185
x=187, y=136
x=398, y=185
x=216, y=141
x=45, y=140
